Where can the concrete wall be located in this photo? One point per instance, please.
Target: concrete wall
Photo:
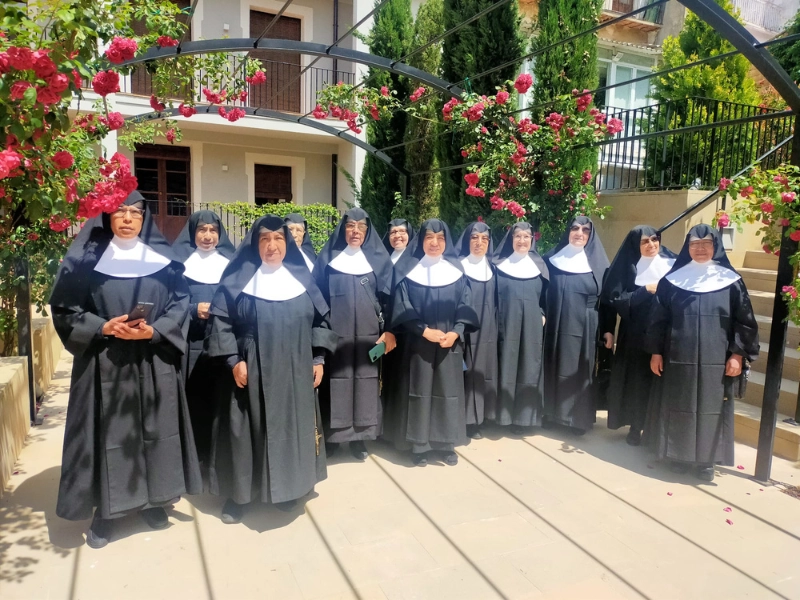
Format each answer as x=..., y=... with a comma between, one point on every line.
x=658, y=208
x=14, y=413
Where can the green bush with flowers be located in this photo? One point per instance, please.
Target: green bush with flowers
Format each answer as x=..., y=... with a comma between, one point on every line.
x=769, y=198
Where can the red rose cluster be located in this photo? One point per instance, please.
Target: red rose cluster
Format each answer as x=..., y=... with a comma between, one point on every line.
x=121, y=49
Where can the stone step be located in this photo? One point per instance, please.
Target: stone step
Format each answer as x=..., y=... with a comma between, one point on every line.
x=764, y=325
x=759, y=279
x=791, y=362
x=762, y=302
x=758, y=259
x=787, y=401
x=747, y=419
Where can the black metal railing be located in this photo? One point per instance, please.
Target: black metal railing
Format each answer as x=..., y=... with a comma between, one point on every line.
x=652, y=15
x=694, y=159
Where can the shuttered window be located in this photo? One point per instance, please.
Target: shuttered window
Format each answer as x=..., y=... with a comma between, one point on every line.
x=280, y=67
x=273, y=184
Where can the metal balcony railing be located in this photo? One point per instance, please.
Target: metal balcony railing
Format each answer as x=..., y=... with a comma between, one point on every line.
x=767, y=15
x=653, y=15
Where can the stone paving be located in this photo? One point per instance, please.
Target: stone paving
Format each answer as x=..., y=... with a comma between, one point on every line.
x=545, y=516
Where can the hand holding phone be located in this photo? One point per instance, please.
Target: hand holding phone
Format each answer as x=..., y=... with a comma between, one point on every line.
x=141, y=311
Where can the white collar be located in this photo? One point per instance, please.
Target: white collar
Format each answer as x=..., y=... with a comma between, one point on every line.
x=273, y=283
x=571, y=259
x=205, y=266
x=130, y=258
x=477, y=267
x=434, y=272
x=650, y=269
x=703, y=277
x=519, y=266
x=309, y=262
x=396, y=254
x=351, y=261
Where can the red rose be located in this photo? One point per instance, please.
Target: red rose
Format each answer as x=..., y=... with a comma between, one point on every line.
x=166, y=42
x=58, y=82
x=724, y=183
x=502, y=97
x=121, y=49
x=257, y=78
x=614, y=126
x=417, y=94
x=63, y=159
x=212, y=97
x=20, y=58
x=745, y=192
x=43, y=65
x=788, y=197
x=18, y=89
x=384, y=90
x=156, y=105
x=236, y=114
x=59, y=224
x=795, y=235
x=475, y=191
x=472, y=179
x=523, y=83
x=723, y=220
x=319, y=112
x=115, y=121
x=767, y=207
x=187, y=111
x=170, y=135
x=105, y=83
x=586, y=177
x=9, y=161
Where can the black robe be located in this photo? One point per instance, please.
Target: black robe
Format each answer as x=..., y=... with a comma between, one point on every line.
x=264, y=444
x=688, y=419
x=480, y=378
x=520, y=339
x=128, y=441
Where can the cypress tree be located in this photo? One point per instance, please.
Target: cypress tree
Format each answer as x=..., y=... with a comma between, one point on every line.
x=390, y=37
x=492, y=40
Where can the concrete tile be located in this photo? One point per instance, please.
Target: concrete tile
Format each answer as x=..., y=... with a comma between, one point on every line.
x=454, y=583
x=385, y=559
x=495, y=536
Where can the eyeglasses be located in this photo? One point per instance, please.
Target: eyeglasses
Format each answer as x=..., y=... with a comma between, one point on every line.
x=136, y=213
x=653, y=239
x=398, y=232
x=356, y=226
x=522, y=237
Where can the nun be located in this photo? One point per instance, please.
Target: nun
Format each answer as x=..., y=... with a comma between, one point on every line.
x=205, y=250
x=577, y=266
x=628, y=292
x=119, y=302
x=354, y=273
x=298, y=227
x=432, y=305
x=269, y=326
x=397, y=238
x=702, y=332
x=521, y=290
x=475, y=249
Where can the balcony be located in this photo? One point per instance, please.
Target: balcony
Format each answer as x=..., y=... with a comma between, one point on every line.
x=771, y=16
x=649, y=20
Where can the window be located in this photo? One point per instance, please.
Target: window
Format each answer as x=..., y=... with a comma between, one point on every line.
x=625, y=96
x=273, y=184
x=164, y=180
x=281, y=67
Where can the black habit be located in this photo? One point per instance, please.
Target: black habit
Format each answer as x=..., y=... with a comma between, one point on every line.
x=521, y=299
x=570, y=337
x=480, y=378
x=265, y=442
x=350, y=392
x=690, y=419
x=128, y=441
x=631, y=378
x=307, y=247
x=201, y=373
x=425, y=404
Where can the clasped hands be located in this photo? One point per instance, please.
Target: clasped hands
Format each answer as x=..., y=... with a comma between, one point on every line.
x=733, y=367
x=437, y=336
x=137, y=329
x=240, y=374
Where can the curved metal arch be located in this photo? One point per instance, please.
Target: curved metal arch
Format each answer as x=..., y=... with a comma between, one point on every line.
x=729, y=28
x=309, y=48
x=281, y=116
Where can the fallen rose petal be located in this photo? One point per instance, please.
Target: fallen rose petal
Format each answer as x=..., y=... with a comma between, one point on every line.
x=760, y=489
x=740, y=467
x=16, y=472
x=727, y=509
x=729, y=522
x=669, y=493
x=499, y=460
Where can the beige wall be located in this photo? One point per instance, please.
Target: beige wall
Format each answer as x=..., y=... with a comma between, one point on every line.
x=658, y=208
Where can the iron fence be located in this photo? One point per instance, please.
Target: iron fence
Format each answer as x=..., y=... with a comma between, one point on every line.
x=695, y=159
x=652, y=15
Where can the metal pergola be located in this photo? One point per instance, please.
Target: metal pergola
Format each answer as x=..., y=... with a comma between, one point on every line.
x=708, y=10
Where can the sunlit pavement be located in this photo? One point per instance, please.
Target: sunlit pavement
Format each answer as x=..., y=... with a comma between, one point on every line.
x=544, y=516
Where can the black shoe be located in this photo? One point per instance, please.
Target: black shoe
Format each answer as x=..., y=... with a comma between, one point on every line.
x=517, y=430
x=678, y=467
x=547, y=424
x=451, y=458
x=232, y=512
x=577, y=431
x=705, y=473
x=634, y=438
x=359, y=450
x=474, y=432
x=287, y=506
x=99, y=533
x=330, y=448
x=419, y=459
x=156, y=517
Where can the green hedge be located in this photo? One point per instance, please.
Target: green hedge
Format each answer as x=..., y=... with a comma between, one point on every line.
x=238, y=217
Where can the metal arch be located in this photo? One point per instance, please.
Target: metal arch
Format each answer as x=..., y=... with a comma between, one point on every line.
x=730, y=29
x=309, y=48
x=281, y=116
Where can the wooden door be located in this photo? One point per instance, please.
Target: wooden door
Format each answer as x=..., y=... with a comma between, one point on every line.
x=280, y=67
x=164, y=176
x=273, y=184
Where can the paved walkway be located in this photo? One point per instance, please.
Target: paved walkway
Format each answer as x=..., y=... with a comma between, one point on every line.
x=539, y=517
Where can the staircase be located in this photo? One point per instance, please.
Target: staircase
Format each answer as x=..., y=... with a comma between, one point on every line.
x=759, y=272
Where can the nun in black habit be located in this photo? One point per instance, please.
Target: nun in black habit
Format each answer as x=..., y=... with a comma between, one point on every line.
x=270, y=326
x=397, y=238
x=432, y=304
x=205, y=250
x=475, y=249
x=628, y=291
x=354, y=273
x=701, y=331
x=577, y=266
x=521, y=288
x=128, y=443
x=298, y=227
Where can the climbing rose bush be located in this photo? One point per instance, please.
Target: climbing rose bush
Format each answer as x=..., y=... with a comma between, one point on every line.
x=352, y=104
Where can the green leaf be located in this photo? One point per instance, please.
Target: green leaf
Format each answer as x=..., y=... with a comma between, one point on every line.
x=29, y=98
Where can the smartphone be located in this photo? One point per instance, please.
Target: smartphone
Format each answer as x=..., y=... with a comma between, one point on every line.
x=378, y=351
x=140, y=311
